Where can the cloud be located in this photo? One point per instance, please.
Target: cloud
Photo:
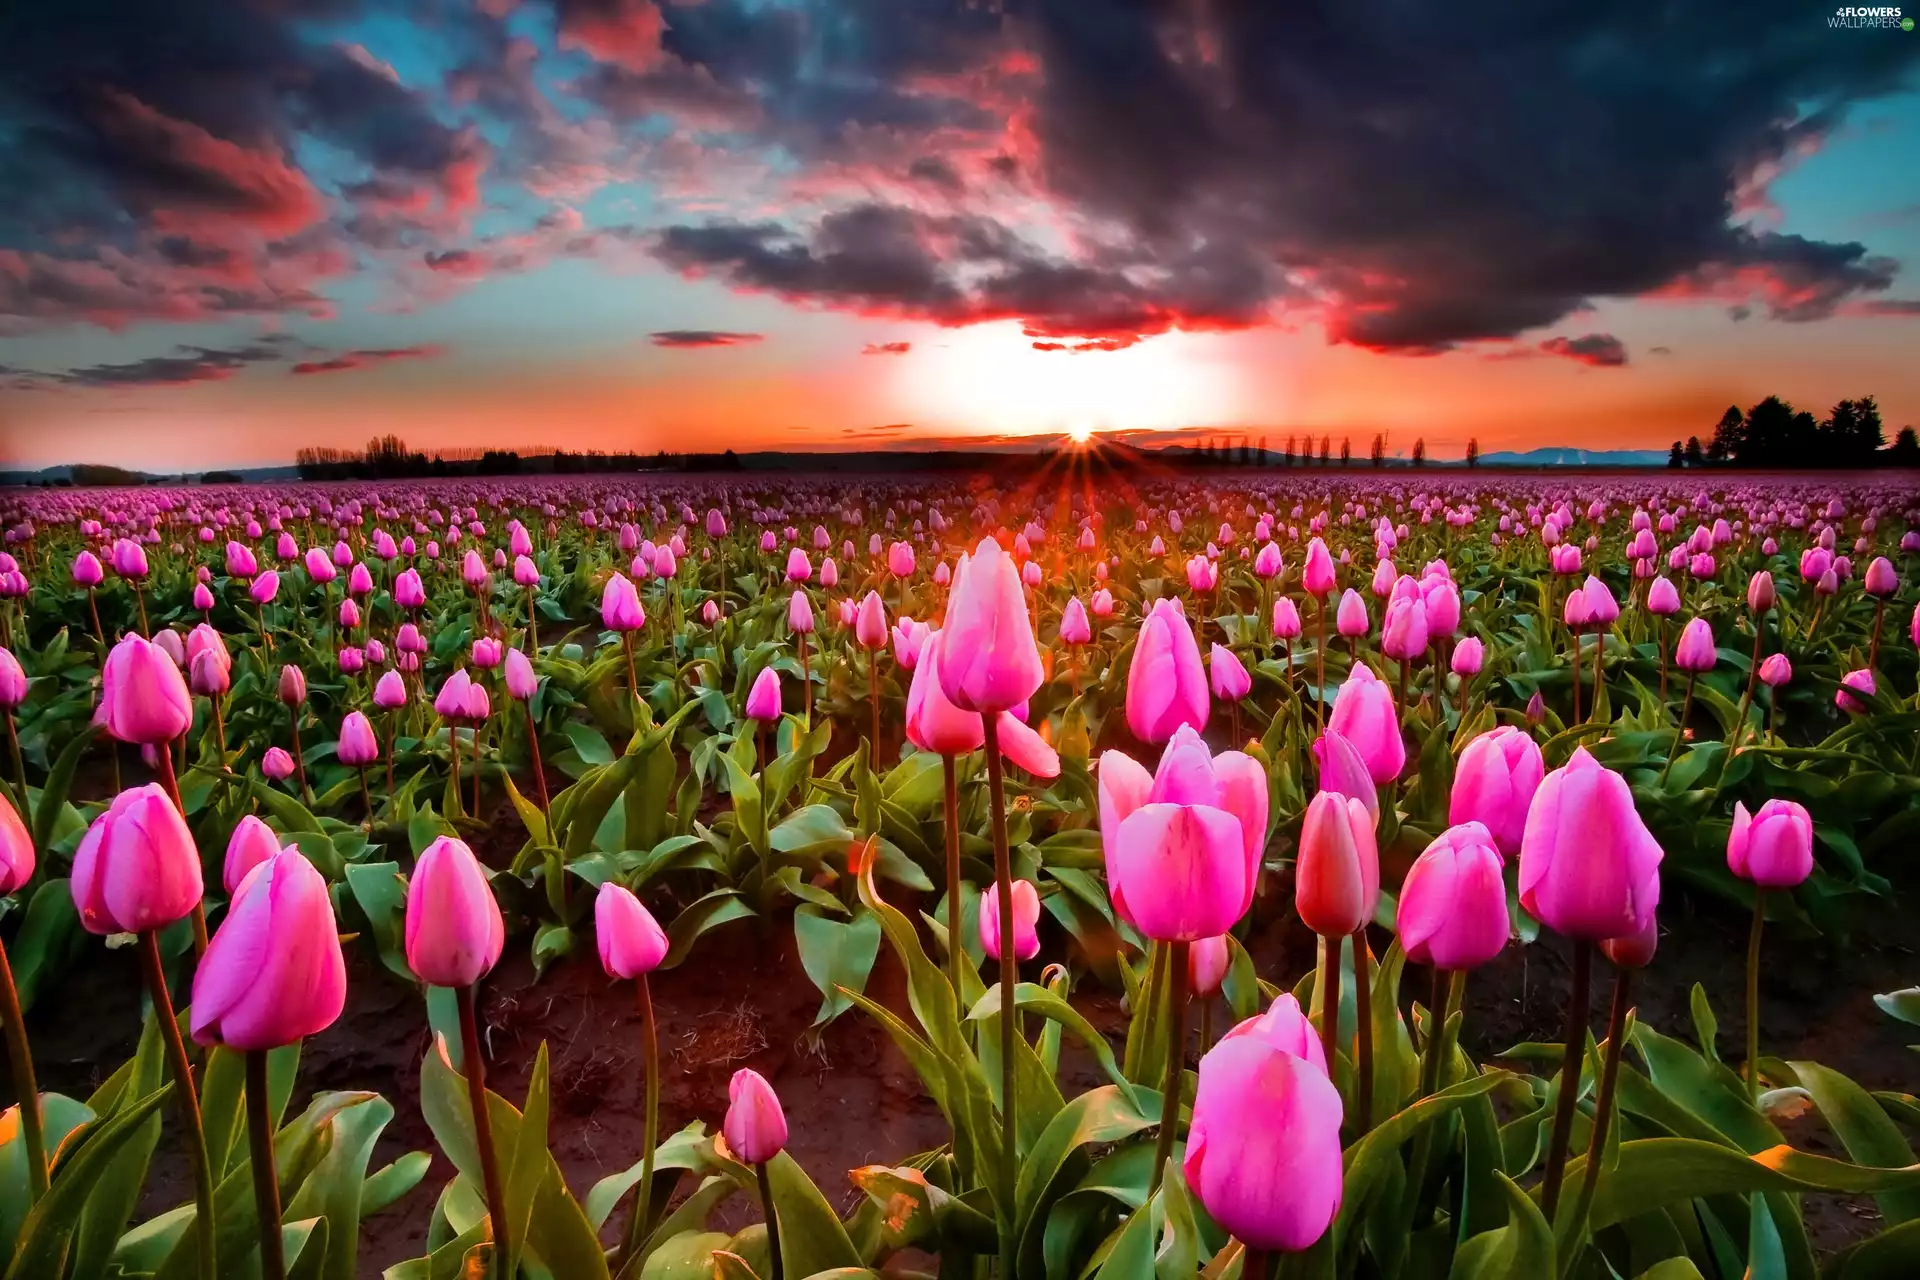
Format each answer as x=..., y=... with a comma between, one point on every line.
x=349, y=360
x=886, y=348
x=1887, y=307
x=1091, y=344
x=1601, y=350
x=185, y=366
x=693, y=338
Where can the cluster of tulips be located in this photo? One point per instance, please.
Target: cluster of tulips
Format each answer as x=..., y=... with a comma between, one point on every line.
x=1488, y=728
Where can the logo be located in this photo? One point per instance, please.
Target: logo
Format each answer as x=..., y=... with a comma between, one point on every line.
x=1870, y=18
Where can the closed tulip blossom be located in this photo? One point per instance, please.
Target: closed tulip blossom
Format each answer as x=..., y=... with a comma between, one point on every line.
x=1494, y=785
x=1663, y=599
x=933, y=723
x=136, y=868
x=1364, y=714
x=1351, y=620
x=1342, y=769
x=1337, y=869
x=16, y=849
x=143, y=697
x=990, y=661
x=1286, y=620
x=1208, y=960
x=1263, y=1151
x=358, y=744
x=1468, y=657
x=755, y=1128
x=273, y=973
x=1855, y=687
x=1695, y=652
x=1166, y=683
x=620, y=608
x=1589, y=868
x=252, y=843
x=1230, y=682
x=13, y=681
x=1772, y=848
x=277, y=764
x=870, y=622
x=1074, y=627
x=763, y=699
x=1452, y=912
x=454, y=930
x=632, y=943
x=1026, y=918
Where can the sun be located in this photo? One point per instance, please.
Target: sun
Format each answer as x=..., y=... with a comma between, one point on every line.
x=1080, y=432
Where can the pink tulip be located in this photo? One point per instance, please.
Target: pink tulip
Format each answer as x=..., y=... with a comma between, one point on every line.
x=933, y=723
x=454, y=929
x=1074, y=627
x=143, y=698
x=451, y=702
x=264, y=588
x=1662, y=598
x=1453, y=902
x=252, y=843
x=319, y=568
x=1855, y=682
x=799, y=568
x=1267, y=562
x=1760, y=592
x=755, y=1128
x=525, y=572
x=829, y=573
x=1774, y=847
x=16, y=849
x=900, y=560
x=1337, y=871
x=129, y=559
x=13, y=681
x=521, y=680
x=1775, y=670
x=1227, y=675
x=763, y=699
x=1025, y=748
x=390, y=691
x=1342, y=769
x=1695, y=652
x=1184, y=850
x=1588, y=866
x=1602, y=609
x=1026, y=918
x=1286, y=620
x=1403, y=633
x=632, y=943
x=1468, y=656
x=87, y=571
x=1494, y=785
x=1263, y=1151
x=1350, y=619
x=1364, y=714
x=1317, y=575
x=800, y=614
x=136, y=868
x=620, y=608
x=1881, y=581
x=1441, y=600
x=870, y=622
x=409, y=592
x=1166, y=684
x=277, y=764
x=273, y=973
x=358, y=746
x=1101, y=605
x=990, y=661
x=1208, y=960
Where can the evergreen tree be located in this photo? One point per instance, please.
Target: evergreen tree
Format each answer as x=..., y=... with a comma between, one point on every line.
x=1420, y=452
x=1728, y=435
x=1675, y=458
x=1694, y=456
x=1473, y=451
x=1346, y=450
x=1906, y=449
x=1379, y=452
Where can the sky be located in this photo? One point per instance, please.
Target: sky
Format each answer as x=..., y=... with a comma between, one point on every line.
x=234, y=228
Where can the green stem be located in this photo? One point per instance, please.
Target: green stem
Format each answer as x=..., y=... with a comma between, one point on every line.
x=955, y=916
x=1009, y=979
x=187, y=1098
x=1176, y=1062
x=773, y=1222
x=266, y=1185
x=1363, y=1023
x=1603, y=1104
x=20, y=1058
x=1575, y=1050
x=1753, y=993
x=475, y=1068
x=638, y=1223
x=1330, y=1000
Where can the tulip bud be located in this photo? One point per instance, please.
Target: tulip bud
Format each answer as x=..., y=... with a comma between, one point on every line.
x=136, y=868
x=13, y=681
x=991, y=661
x=390, y=691
x=358, y=746
x=87, y=571
x=870, y=622
x=1468, y=656
x=1453, y=903
x=1227, y=675
x=252, y=843
x=277, y=764
x=1026, y=917
x=1317, y=575
x=1663, y=599
x=1775, y=670
x=1494, y=785
x=1695, y=652
x=1774, y=847
x=1881, y=581
x=1208, y=960
x=1364, y=714
x=1588, y=866
x=143, y=698
x=16, y=849
x=1337, y=872
x=1633, y=950
x=620, y=608
x=1286, y=619
x=273, y=973
x=454, y=929
x=1760, y=593
x=632, y=943
x=1075, y=629
x=763, y=699
x=1166, y=684
x=1855, y=682
x=1350, y=619
x=755, y=1128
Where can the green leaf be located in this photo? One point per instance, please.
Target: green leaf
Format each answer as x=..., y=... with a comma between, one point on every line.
x=381, y=892
x=811, y=1237
x=339, y=1190
x=1904, y=1005
x=1095, y=1118
x=1521, y=1250
x=53, y=796
x=50, y=1225
x=1894, y=1254
x=51, y=937
x=721, y=906
x=1655, y=1172
x=59, y=1116
x=837, y=955
x=1865, y=1129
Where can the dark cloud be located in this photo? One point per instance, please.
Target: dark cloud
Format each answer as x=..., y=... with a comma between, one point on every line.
x=689, y=338
x=186, y=365
x=1601, y=350
x=350, y=360
x=886, y=348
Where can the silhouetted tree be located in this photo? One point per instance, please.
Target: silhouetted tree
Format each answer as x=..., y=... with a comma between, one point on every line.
x=1420, y=452
x=1695, y=457
x=1728, y=435
x=1326, y=449
x=1379, y=451
x=1289, y=449
x=1906, y=449
x=1676, y=458
x=1473, y=451
x=1346, y=450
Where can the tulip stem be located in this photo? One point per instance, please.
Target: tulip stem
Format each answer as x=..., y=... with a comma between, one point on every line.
x=1320, y=656
x=873, y=701
x=266, y=1185
x=1176, y=1060
x=1873, y=647
x=20, y=1059
x=475, y=1068
x=1753, y=993
x=806, y=681
x=1575, y=637
x=19, y=762
x=773, y=1221
x=1255, y=1264
x=185, y=1096
x=1363, y=1024
x=1574, y=1051
x=1680, y=733
x=1009, y=980
x=955, y=915
x=638, y=1223
x=633, y=681
x=1609, y=1079
x=1330, y=999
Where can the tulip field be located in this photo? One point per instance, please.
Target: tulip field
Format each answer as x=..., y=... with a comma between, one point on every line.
x=1401, y=875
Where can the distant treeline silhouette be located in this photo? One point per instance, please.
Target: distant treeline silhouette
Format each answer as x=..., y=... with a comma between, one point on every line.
x=1775, y=434
x=1305, y=451
x=388, y=457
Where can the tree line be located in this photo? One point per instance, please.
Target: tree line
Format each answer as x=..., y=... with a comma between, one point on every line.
x=1306, y=451
x=1775, y=434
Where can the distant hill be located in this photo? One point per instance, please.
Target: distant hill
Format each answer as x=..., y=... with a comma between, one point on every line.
x=1564, y=457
